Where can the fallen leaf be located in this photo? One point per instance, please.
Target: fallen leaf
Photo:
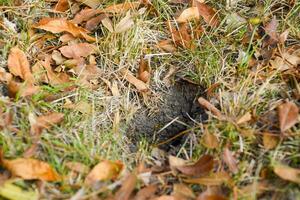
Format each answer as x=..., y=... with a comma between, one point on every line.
x=124, y=193
x=103, y=171
x=122, y=7
x=270, y=141
x=81, y=106
x=85, y=15
x=245, y=118
x=167, y=46
x=209, y=140
x=91, y=3
x=18, y=65
x=77, y=167
x=93, y=23
x=214, y=179
x=188, y=14
x=181, y=36
x=182, y=191
x=78, y=50
x=271, y=29
x=144, y=71
x=140, y=85
x=230, y=160
x=211, y=197
x=203, y=166
x=288, y=115
x=209, y=15
x=62, y=5
x=125, y=24
x=46, y=121
x=165, y=197
x=107, y=23
x=22, y=89
x=287, y=173
x=59, y=25
x=57, y=57
x=203, y=102
x=31, y=169
x=146, y=193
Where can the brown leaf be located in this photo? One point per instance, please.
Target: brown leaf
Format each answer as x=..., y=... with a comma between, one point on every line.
x=245, y=118
x=182, y=191
x=93, y=23
x=59, y=25
x=167, y=46
x=103, y=171
x=45, y=122
x=127, y=188
x=77, y=167
x=122, y=7
x=62, y=5
x=209, y=140
x=18, y=65
x=30, y=169
x=81, y=106
x=287, y=173
x=165, y=197
x=271, y=29
x=77, y=50
x=288, y=115
x=230, y=160
x=203, y=166
x=66, y=38
x=188, y=14
x=125, y=24
x=140, y=85
x=181, y=36
x=85, y=15
x=23, y=89
x=211, y=180
x=211, y=197
x=270, y=141
x=209, y=15
x=91, y=3
x=203, y=102
x=144, y=71
x=146, y=193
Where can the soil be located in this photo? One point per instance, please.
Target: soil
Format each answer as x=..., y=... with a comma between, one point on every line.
x=179, y=102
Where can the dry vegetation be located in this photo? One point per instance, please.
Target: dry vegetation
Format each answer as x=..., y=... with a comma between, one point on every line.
x=73, y=73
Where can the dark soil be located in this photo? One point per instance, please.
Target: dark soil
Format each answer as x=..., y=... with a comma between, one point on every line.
x=179, y=102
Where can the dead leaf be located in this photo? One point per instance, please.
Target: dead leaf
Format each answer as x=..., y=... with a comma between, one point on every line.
x=93, y=23
x=181, y=36
x=57, y=57
x=271, y=30
x=18, y=65
x=107, y=23
x=78, y=50
x=22, y=89
x=122, y=7
x=31, y=169
x=203, y=102
x=167, y=46
x=124, y=193
x=144, y=71
x=77, y=167
x=245, y=118
x=140, y=85
x=230, y=160
x=146, y=193
x=188, y=14
x=287, y=173
x=46, y=121
x=214, y=179
x=125, y=24
x=203, y=166
x=66, y=38
x=103, y=171
x=209, y=15
x=85, y=15
x=182, y=191
x=211, y=197
x=59, y=25
x=81, y=106
x=165, y=197
x=270, y=141
x=91, y=3
x=62, y=6
x=288, y=115
x=209, y=140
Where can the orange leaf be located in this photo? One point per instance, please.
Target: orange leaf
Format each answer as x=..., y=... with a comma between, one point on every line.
x=209, y=15
x=18, y=65
x=30, y=169
x=77, y=50
x=45, y=122
x=59, y=25
x=287, y=173
x=144, y=71
x=209, y=140
x=202, y=166
x=211, y=180
x=77, y=167
x=127, y=188
x=140, y=85
x=146, y=193
x=270, y=141
x=288, y=115
x=62, y=5
x=103, y=171
x=122, y=8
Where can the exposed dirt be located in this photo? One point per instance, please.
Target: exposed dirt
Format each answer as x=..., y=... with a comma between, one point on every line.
x=180, y=103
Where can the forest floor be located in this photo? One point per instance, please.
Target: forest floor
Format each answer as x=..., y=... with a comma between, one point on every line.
x=149, y=99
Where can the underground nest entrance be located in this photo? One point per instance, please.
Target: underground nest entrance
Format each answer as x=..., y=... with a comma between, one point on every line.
x=177, y=113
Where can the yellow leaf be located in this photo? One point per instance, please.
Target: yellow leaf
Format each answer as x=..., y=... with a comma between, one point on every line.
x=10, y=191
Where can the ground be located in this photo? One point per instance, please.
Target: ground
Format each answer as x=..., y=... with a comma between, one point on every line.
x=217, y=116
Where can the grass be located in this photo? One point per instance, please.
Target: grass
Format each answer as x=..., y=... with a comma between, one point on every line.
x=90, y=137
